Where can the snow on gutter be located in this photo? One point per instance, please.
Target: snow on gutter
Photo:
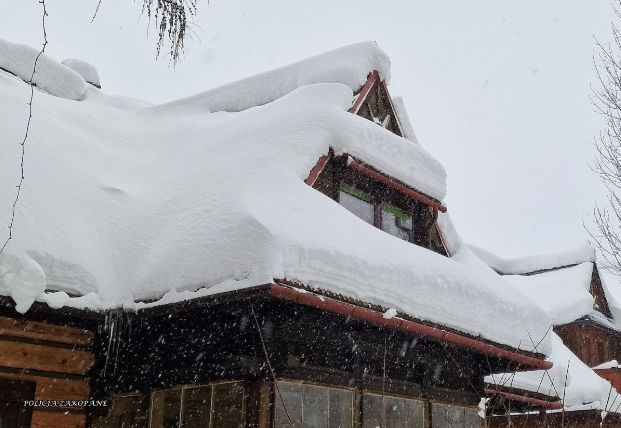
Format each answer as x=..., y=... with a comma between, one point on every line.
x=304, y=297
x=550, y=405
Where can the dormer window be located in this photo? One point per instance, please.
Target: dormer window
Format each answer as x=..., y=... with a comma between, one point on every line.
x=359, y=203
x=376, y=211
x=376, y=199
x=397, y=222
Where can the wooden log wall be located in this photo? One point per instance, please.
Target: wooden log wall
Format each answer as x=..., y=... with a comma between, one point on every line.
x=56, y=358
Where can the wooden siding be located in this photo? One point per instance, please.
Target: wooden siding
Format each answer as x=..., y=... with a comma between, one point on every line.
x=611, y=375
x=597, y=291
x=592, y=343
x=56, y=358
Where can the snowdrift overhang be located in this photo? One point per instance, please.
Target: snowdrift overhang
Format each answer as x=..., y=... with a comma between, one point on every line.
x=362, y=311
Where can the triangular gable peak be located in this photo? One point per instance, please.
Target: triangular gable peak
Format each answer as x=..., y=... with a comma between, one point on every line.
x=373, y=102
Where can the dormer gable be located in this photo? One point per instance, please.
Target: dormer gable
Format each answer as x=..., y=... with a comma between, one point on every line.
x=373, y=102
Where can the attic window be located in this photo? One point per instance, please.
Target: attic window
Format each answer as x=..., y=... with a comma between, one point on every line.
x=383, y=215
x=397, y=222
x=358, y=202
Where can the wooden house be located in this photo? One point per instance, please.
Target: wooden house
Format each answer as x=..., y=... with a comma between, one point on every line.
x=284, y=352
x=593, y=337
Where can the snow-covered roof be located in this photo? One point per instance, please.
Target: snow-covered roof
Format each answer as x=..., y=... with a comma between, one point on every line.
x=571, y=283
x=535, y=263
x=572, y=381
x=88, y=72
x=124, y=202
x=51, y=76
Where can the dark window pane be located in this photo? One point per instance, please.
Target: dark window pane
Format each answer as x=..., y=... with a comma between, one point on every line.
x=196, y=407
x=341, y=408
x=371, y=411
x=391, y=412
x=315, y=407
x=128, y=411
x=311, y=406
x=446, y=416
x=358, y=204
x=396, y=222
x=165, y=409
x=473, y=420
x=228, y=405
x=291, y=394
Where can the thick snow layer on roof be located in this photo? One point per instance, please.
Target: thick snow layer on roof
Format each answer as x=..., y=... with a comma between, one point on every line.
x=84, y=69
x=578, y=386
x=50, y=75
x=404, y=119
x=123, y=203
x=349, y=65
x=521, y=265
x=612, y=364
x=571, y=283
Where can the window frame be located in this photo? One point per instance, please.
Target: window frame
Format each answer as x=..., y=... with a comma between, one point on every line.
x=425, y=403
x=444, y=403
x=210, y=385
x=365, y=190
x=326, y=386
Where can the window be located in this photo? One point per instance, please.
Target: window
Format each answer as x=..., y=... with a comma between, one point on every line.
x=311, y=406
x=127, y=411
x=391, y=412
x=388, y=217
x=220, y=405
x=396, y=222
x=445, y=416
x=358, y=202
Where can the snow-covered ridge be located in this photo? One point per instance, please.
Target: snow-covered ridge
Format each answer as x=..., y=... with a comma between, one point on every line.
x=50, y=75
x=349, y=65
x=126, y=203
x=572, y=283
x=529, y=264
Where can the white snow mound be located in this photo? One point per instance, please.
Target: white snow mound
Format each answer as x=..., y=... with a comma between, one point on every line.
x=50, y=75
x=84, y=69
x=123, y=203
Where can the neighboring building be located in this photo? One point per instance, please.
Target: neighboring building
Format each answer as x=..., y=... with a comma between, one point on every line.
x=588, y=341
x=270, y=253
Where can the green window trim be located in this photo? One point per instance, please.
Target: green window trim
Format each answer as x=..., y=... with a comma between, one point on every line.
x=356, y=193
x=398, y=213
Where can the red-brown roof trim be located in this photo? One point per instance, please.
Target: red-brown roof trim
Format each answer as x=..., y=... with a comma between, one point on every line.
x=328, y=304
x=364, y=91
x=550, y=405
x=390, y=182
x=319, y=166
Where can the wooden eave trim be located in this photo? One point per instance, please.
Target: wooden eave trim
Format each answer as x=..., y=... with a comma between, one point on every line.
x=549, y=405
x=329, y=304
x=319, y=166
x=364, y=92
x=390, y=182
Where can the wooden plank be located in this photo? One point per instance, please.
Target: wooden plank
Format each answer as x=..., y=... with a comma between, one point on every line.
x=54, y=388
x=38, y=357
x=57, y=419
x=49, y=332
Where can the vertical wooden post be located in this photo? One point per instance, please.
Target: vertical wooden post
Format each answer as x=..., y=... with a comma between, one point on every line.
x=266, y=403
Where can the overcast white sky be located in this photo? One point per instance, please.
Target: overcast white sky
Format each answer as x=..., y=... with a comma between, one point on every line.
x=497, y=91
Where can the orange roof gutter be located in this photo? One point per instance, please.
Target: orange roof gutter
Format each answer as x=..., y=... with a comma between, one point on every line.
x=328, y=304
x=550, y=405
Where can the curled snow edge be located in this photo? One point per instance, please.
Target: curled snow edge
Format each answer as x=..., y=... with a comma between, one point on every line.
x=50, y=75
